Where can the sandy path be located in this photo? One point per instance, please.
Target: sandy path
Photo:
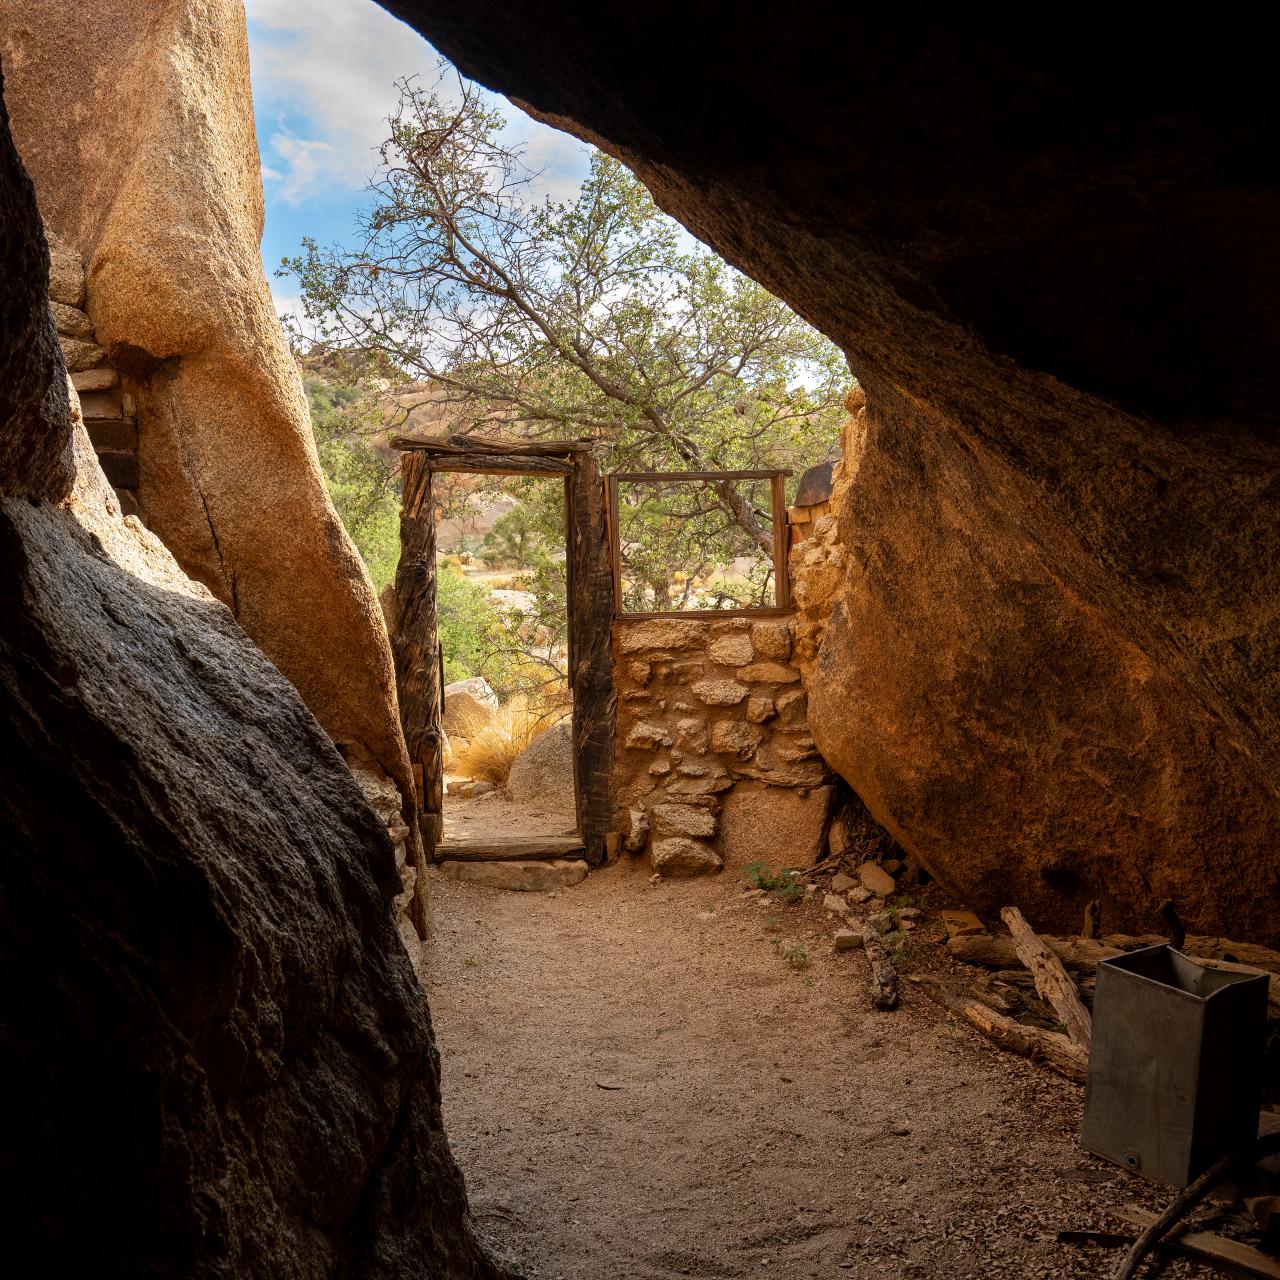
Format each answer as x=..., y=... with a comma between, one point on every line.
x=638, y=1085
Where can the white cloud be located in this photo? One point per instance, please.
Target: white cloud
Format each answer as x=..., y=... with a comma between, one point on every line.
x=324, y=78
x=305, y=162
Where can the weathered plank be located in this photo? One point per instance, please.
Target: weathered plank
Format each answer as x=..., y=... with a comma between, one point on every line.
x=514, y=849
x=1051, y=979
x=591, y=600
x=1206, y=1244
x=416, y=646
x=500, y=464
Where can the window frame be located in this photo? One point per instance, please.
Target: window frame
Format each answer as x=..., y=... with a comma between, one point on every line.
x=778, y=507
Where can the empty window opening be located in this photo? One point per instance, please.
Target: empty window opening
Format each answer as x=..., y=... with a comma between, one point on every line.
x=700, y=543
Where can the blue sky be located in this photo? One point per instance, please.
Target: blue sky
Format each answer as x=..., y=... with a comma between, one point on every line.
x=323, y=86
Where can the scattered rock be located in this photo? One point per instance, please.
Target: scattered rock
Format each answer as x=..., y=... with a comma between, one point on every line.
x=683, y=820
x=543, y=772
x=910, y=913
x=880, y=922
x=481, y=789
x=860, y=894
x=523, y=877
x=732, y=650
x=847, y=940
x=680, y=857
x=876, y=878
x=834, y=903
x=961, y=923
x=841, y=883
x=720, y=693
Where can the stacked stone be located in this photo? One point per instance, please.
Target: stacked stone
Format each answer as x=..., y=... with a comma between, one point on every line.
x=705, y=709
x=110, y=414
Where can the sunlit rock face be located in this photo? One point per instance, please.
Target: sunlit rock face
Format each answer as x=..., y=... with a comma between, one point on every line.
x=216, y=1058
x=135, y=121
x=1049, y=660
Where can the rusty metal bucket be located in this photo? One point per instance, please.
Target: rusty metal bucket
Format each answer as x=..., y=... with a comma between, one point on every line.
x=1175, y=1063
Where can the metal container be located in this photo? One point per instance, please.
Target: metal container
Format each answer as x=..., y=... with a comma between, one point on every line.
x=1175, y=1063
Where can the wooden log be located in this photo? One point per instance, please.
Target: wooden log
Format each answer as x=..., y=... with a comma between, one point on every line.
x=1082, y=955
x=884, y=977
x=1050, y=1047
x=591, y=607
x=1086, y=952
x=998, y=952
x=1051, y=978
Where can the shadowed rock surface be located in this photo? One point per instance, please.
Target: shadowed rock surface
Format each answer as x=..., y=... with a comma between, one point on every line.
x=217, y=1059
x=1050, y=664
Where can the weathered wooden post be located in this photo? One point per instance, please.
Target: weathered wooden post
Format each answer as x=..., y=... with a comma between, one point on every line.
x=416, y=646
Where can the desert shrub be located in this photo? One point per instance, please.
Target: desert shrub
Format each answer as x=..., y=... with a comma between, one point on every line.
x=785, y=885
x=493, y=746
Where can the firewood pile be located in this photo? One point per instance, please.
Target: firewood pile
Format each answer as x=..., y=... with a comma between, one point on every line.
x=1033, y=994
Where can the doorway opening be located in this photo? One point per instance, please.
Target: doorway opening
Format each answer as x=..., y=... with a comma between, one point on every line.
x=428, y=715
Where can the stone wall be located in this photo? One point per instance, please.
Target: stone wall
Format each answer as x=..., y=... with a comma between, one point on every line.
x=715, y=764
x=109, y=407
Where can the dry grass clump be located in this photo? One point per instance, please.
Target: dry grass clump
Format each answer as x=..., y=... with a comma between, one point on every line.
x=492, y=748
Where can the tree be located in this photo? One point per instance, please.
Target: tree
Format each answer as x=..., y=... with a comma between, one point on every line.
x=359, y=482
x=588, y=317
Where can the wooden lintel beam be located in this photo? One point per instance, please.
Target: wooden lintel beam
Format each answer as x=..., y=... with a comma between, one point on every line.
x=498, y=464
x=483, y=444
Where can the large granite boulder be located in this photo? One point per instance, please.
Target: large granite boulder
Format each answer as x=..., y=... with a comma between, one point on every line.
x=542, y=774
x=135, y=121
x=1051, y=665
x=469, y=705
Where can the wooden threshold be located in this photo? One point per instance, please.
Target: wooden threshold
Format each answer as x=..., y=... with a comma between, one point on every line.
x=519, y=849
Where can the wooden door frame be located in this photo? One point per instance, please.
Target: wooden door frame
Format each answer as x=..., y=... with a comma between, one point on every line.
x=589, y=572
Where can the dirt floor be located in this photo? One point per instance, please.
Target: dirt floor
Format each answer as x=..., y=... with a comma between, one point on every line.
x=493, y=816
x=639, y=1083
